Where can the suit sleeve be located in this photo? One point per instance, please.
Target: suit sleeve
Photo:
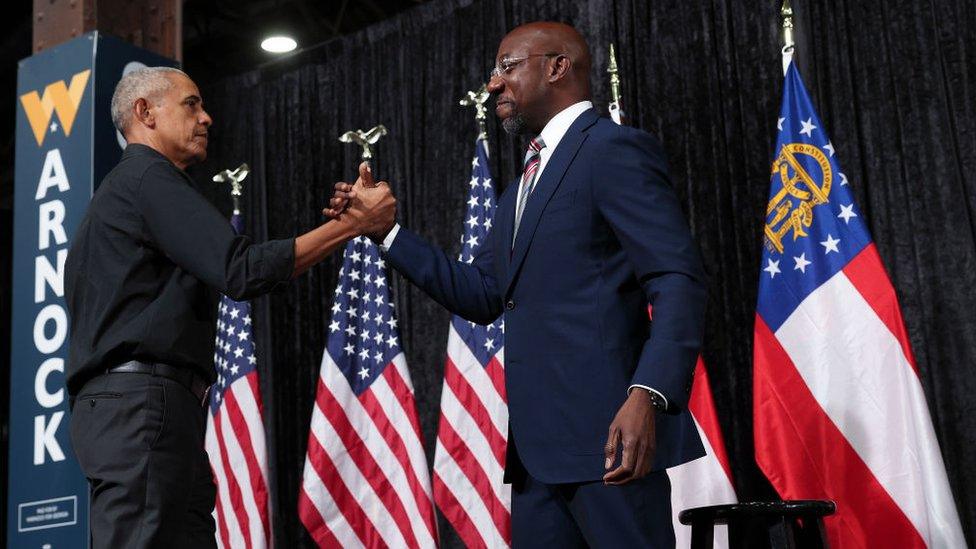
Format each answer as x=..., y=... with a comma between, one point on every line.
x=466, y=289
x=636, y=199
x=194, y=235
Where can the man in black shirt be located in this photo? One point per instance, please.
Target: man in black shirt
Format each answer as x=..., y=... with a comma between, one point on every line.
x=142, y=282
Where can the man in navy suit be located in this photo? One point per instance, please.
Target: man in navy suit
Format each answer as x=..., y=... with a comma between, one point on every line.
x=588, y=237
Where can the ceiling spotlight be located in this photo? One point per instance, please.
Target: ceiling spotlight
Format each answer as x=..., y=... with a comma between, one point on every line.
x=279, y=44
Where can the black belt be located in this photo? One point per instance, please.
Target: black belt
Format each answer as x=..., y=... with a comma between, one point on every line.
x=184, y=376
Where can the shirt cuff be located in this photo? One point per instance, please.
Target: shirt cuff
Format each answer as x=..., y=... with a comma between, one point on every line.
x=655, y=391
x=390, y=237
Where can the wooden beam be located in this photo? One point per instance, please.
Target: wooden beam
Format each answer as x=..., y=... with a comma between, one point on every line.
x=156, y=25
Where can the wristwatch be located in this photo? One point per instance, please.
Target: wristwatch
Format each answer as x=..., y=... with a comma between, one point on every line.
x=657, y=401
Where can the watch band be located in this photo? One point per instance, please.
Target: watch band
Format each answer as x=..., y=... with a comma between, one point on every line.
x=657, y=401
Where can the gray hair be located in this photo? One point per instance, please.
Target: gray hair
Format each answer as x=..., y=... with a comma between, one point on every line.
x=146, y=83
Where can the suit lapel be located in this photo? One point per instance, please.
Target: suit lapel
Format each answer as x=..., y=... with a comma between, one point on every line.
x=551, y=177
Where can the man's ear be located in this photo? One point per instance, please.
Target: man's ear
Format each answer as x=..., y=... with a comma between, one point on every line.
x=560, y=67
x=143, y=114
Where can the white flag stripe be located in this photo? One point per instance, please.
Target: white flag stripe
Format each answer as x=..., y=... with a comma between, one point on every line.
x=468, y=498
x=455, y=414
x=234, y=533
x=872, y=394
x=699, y=483
x=397, y=417
x=244, y=395
x=416, y=458
x=364, y=443
x=348, y=470
x=401, y=367
x=381, y=452
x=365, y=429
x=478, y=379
x=328, y=509
x=238, y=467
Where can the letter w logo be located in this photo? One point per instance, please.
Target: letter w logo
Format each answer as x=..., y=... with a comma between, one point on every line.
x=57, y=97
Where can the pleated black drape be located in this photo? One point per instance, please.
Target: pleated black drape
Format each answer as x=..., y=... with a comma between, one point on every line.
x=895, y=85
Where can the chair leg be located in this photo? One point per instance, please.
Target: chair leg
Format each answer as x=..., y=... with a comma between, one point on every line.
x=781, y=534
x=810, y=533
x=701, y=534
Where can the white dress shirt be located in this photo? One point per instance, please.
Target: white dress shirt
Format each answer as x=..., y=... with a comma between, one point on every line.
x=551, y=135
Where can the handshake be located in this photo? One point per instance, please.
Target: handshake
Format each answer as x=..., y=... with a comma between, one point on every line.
x=369, y=208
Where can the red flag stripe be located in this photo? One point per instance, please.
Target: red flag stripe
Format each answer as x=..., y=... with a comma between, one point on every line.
x=313, y=522
x=453, y=411
x=479, y=378
x=243, y=435
x=464, y=458
x=223, y=494
x=237, y=465
x=476, y=409
x=702, y=407
x=252, y=380
x=424, y=507
x=824, y=466
x=863, y=273
x=388, y=495
x=403, y=393
x=455, y=513
x=347, y=504
x=496, y=372
x=475, y=505
x=223, y=537
x=233, y=488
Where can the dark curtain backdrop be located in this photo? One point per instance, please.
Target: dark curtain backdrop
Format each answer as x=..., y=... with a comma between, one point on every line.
x=894, y=83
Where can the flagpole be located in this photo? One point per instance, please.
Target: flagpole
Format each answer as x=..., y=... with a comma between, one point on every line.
x=786, y=13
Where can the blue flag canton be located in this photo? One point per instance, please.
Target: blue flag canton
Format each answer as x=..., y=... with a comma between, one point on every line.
x=483, y=341
x=363, y=337
x=234, y=346
x=813, y=228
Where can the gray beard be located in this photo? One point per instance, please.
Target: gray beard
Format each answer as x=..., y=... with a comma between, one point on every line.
x=515, y=125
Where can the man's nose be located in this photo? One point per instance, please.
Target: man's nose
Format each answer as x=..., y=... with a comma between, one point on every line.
x=205, y=119
x=496, y=84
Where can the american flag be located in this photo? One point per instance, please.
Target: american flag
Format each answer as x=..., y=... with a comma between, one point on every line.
x=839, y=408
x=365, y=482
x=469, y=461
x=235, y=431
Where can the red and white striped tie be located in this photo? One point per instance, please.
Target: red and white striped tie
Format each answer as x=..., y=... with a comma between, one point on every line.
x=531, y=168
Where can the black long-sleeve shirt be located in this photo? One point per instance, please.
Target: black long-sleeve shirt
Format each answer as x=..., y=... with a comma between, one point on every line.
x=144, y=270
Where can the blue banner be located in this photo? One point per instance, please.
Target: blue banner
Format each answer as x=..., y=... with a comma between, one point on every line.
x=65, y=143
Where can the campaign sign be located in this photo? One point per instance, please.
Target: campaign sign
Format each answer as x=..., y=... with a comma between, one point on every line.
x=65, y=144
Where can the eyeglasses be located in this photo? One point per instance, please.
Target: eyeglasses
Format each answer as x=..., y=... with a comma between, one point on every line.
x=506, y=65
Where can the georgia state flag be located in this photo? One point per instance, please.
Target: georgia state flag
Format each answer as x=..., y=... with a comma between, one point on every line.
x=839, y=411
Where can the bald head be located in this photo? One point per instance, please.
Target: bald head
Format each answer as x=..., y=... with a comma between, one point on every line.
x=558, y=38
x=544, y=68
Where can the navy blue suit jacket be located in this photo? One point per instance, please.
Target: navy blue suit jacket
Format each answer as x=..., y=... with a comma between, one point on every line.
x=602, y=235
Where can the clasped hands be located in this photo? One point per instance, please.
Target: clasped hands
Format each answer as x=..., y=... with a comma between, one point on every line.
x=369, y=207
x=371, y=210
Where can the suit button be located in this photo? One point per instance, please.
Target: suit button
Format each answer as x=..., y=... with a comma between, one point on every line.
x=510, y=305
